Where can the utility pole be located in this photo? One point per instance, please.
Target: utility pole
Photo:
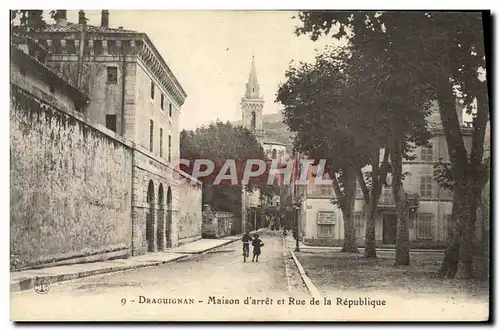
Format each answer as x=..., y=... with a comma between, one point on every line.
x=83, y=21
x=295, y=208
x=243, y=209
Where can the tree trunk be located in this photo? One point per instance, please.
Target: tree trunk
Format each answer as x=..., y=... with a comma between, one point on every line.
x=370, y=244
x=449, y=265
x=403, y=236
x=466, y=176
x=379, y=175
x=350, y=246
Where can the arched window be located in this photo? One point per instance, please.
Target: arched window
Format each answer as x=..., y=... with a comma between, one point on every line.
x=253, y=120
x=274, y=154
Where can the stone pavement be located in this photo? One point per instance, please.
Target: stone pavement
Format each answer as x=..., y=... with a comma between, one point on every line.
x=26, y=279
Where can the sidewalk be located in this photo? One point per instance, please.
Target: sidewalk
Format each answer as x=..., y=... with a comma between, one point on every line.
x=291, y=244
x=26, y=279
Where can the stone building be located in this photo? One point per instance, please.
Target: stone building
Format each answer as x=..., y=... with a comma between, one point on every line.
x=135, y=95
x=70, y=179
x=322, y=223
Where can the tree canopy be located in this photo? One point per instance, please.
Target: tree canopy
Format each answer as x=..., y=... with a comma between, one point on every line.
x=219, y=142
x=439, y=53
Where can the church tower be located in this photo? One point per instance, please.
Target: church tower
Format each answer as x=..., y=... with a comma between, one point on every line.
x=252, y=105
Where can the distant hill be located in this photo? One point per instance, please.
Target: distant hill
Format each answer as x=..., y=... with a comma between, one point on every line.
x=274, y=129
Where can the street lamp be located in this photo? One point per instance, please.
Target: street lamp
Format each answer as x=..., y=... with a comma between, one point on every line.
x=295, y=214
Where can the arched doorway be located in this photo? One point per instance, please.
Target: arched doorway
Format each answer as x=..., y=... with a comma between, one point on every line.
x=150, y=217
x=168, y=221
x=274, y=154
x=160, y=220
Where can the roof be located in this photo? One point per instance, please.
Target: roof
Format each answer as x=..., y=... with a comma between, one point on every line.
x=18, y=54
x=72, y=27
x=69, y=27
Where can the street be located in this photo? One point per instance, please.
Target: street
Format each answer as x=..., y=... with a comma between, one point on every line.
x=204, y=287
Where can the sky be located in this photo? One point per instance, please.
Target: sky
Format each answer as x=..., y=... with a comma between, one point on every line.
x=210, y=53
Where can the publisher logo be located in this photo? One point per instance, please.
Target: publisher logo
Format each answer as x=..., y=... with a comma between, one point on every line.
x=42, y=286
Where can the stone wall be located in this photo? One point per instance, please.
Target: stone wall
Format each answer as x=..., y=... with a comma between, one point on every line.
x=71, y=184
x=190, y=218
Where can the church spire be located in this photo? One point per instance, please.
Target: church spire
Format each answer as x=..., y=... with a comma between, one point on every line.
x=252, y=91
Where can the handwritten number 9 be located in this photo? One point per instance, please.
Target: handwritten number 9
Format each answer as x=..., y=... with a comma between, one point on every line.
x=124, y=301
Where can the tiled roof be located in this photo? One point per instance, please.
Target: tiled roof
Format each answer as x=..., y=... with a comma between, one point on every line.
x=55, y=74
x=72, y=27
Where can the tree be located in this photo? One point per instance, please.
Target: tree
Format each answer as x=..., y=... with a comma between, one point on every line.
x=367, y=91
x=219, y=142
x=444, y=51
x=318, y=107
x=32, y=19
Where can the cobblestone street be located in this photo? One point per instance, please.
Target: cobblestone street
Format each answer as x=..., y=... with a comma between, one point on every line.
x=220, y=274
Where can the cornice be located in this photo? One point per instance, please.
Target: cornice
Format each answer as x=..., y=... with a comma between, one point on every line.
x=138, y=44
x=152, y=58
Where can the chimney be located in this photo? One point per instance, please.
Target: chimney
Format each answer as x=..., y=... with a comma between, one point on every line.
x=105, y=18
x=61, y=18
x=81, y=17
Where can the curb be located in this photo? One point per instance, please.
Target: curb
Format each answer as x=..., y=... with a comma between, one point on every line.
x=287, y=269
x=310, y=286
x=29, y=283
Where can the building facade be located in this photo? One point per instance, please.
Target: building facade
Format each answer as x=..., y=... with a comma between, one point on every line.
x=429, y=226
x=135, y=94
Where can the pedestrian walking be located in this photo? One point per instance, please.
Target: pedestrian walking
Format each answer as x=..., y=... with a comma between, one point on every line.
x=257, y=244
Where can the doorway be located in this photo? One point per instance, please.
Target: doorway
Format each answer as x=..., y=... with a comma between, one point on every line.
x=389, y=230
x=160, y=220
x=168, y=220
x=150, y=217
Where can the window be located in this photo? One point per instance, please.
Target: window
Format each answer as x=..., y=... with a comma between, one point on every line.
x=112, y=75
x=98, y=49
x=253, y=121
x=359, y=224
x=326, y=224
x=326, y=231
x=161, y=142
x=152, y=90
x=324, y=190
x=426, y=153
x=151, y=132
x=424, y=226
x=170, y=110
x=111, y=122
x=169, y=148
x=274, y=154
x=426, y=186
x=162, y=99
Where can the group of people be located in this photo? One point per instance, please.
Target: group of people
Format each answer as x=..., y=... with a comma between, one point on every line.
x=256, y=243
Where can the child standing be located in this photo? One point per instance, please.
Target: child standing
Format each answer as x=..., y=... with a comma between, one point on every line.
x=257, y=244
